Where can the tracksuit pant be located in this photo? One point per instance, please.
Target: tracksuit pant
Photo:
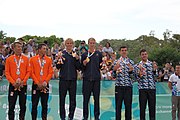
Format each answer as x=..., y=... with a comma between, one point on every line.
x=123, y=93
x=147, y=95
x=88, y=87
x=36, y=96
x=70, y=86
x=12, y=98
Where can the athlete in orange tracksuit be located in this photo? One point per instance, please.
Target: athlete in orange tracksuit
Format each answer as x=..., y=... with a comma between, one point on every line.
x=41, y=73
x=17, y=72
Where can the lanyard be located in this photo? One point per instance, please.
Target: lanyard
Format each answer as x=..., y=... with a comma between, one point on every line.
x=41, y=64
x=70, y=53
x=18, y=64
x=89, y=55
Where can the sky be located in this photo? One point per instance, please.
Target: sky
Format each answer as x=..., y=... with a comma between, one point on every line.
x=82, y=19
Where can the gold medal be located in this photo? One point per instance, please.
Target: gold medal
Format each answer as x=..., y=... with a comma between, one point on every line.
x=87, y=59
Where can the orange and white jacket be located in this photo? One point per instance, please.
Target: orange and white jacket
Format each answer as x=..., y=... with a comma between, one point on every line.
x=11, y=69
x=36, y=69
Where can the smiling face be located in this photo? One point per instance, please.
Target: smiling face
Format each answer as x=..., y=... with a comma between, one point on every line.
x=123, y=52
x=144, y=56
x=17, y=48
x=177, y=71
x=92, y=43
x=69, y=44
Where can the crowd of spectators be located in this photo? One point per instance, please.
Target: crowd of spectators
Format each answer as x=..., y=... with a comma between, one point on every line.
x=109, y=56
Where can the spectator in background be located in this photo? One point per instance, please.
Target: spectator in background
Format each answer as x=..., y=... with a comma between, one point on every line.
x=109, y=60
x=171, y=69
x=47, y=44
x=2, y=48
x=113, y=57
x=8, y=52
x=62, y=46
x=83, y=48
x=174, y=85
x=30, y=48
x=7, y=44
x=48, y=53
x=105, y=74
x=100, y=47
x=25, y=52
x=105, y=67
x=56, y=71
x=2, y=56
x=107, y=48
x=166, y=72
x=2, y=68
x=55, y=49
x=35, y=51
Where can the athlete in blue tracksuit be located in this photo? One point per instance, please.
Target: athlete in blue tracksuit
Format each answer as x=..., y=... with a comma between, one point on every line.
x=68, y=78
x=91, y=78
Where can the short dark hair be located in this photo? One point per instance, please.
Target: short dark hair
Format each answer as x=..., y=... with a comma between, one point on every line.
x=122, y=47
x=15, y=43
x=178, y=64
x=24, y=49
x=40, y=45
x=20, y=39
x=46, y=42
x=83, y=42
x=142, y=50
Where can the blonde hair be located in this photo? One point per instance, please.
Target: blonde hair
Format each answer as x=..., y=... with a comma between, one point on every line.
x=93, y=39
x=69, y=39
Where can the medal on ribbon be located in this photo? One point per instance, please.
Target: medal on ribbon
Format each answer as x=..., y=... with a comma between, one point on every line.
x=18, y=72
x=41, y=73
x=87, y=59
x=89, y=55
x=41, y=65
x=18, y=64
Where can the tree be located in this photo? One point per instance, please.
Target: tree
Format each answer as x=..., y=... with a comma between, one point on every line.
x=11, y=39
x=77, y=43
x=2, y=34
x=165, y=54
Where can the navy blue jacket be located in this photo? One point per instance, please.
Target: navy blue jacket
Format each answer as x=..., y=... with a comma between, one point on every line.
x=92, y=69
x=68, y=70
